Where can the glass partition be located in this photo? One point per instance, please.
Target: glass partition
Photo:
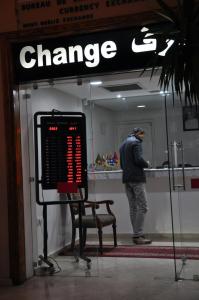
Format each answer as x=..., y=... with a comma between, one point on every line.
x=62, y=220
x=184, y=162
x=114, y=104
x=118, y=103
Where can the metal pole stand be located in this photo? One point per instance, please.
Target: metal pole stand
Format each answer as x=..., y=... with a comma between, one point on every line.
x=80, y=252
x=49, y=269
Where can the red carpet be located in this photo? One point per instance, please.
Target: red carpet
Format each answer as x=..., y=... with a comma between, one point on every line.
x=139, y=251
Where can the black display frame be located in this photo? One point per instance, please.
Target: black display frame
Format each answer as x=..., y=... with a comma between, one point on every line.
x=38, y=181
x=57, y=134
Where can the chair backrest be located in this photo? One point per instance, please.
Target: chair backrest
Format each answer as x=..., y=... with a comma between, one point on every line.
x=74, y=207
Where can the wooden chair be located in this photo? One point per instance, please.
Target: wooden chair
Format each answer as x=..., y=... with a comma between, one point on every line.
x=93, y=220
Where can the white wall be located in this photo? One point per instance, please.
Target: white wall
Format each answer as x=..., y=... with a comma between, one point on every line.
x=103, y=126
x=100, y=132
x=112, y=122
x=157, y=118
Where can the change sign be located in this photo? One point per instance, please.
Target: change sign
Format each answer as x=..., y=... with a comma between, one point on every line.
x=108, y=51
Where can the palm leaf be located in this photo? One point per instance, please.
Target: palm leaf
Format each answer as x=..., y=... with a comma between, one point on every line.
x=168, y=11
x=165, y=16
x=179, y=67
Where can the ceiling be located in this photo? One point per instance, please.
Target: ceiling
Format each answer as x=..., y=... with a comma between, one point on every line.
x=148, y=93
x=119, y=80
x=133, y=88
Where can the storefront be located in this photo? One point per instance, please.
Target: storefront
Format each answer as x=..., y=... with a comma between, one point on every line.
x=99, y=75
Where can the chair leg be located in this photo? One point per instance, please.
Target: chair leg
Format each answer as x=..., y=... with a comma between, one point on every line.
x=84, y=236
x=73, y=238
x=114, y=234
x=100, y=240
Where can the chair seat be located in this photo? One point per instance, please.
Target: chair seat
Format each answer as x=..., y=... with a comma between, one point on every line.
x=90, y=221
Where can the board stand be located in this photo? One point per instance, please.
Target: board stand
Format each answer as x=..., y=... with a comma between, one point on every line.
x=78, y=252
x=50, y=268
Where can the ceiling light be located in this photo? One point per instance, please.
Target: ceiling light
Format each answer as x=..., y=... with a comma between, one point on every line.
x=96, y=82
x=163, y=93
x=123, y=98
x=119, y=96
x=141, y=106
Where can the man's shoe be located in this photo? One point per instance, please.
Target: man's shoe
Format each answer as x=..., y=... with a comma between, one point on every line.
x=140, y=240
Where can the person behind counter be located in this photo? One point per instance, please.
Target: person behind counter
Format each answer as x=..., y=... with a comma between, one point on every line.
x=133, y=164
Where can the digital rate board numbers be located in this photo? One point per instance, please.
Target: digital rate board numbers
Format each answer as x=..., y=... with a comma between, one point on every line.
x=63, y=151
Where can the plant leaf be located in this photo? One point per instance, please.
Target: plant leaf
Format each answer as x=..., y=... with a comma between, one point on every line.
x=179, y=66
x=165, y=16
x=169, y=12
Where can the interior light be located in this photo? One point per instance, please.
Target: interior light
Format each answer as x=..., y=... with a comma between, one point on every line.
x=96, y=82
x=141, y=106
x=163, y=93
x=123, y=98
x=119, y=96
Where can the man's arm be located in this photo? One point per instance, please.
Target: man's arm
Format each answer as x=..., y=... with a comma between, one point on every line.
x=139, y=160
x=122, y=157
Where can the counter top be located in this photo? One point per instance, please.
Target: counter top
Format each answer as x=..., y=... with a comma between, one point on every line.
x=117, y=174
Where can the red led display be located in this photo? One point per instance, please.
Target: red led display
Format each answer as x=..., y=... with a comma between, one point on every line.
x=72, y=128
x=74, y=158
x=53, y=128
x=63, y=152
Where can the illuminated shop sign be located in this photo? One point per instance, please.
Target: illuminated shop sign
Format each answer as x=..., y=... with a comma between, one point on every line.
x=88, y=54
x=63, y=151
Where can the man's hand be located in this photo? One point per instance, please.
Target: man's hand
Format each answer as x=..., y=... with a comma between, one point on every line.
x=149, y=164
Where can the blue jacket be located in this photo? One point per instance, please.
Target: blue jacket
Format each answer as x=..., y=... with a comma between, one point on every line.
x=131, y=160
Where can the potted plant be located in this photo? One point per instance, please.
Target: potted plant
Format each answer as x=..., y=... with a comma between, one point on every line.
x=180, y=65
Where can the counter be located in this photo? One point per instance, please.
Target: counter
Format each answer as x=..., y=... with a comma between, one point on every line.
x=185, y=204
x=117, y=174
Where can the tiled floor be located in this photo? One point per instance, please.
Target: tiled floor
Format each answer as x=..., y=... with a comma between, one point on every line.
x=111, y=279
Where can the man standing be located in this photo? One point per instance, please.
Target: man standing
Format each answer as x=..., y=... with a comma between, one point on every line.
x=133, y=164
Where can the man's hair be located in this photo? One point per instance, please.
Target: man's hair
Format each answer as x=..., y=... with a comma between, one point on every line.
x=137, y=130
